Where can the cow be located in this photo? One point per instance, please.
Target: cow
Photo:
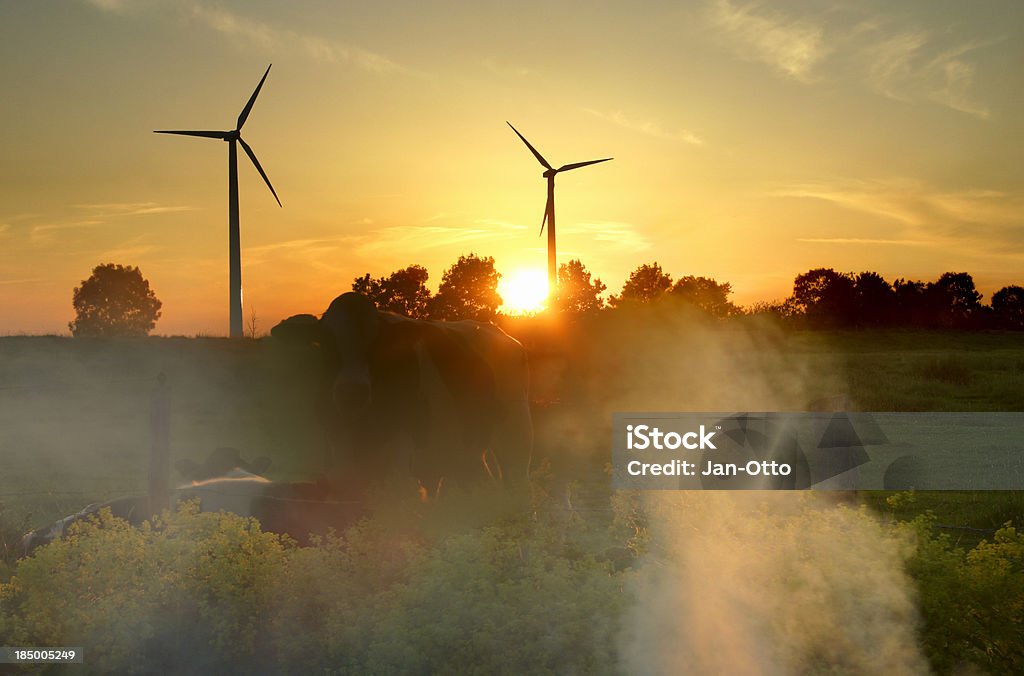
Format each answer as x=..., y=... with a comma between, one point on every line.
x=220, y=462
x=297, y=509
x=442, y=401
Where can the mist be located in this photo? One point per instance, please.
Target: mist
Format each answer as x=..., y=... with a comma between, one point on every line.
x=753, y=582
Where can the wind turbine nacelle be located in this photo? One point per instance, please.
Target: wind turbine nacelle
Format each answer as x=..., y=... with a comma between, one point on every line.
x=549, y=173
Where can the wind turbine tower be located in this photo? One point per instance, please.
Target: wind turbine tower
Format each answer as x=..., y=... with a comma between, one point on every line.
x=549, y=208
x=234, y=139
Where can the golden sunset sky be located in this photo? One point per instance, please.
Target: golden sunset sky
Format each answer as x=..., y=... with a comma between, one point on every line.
x=752, y=141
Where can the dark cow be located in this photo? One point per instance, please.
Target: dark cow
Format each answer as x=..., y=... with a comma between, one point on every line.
x=446, y=401
x=220, y=462
x=296, y=509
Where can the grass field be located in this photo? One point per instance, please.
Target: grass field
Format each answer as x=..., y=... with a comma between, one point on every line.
x=74, y=413
x=565, y=590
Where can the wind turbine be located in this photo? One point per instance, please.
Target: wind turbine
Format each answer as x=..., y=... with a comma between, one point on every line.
x=234, y=137
x=549, y=208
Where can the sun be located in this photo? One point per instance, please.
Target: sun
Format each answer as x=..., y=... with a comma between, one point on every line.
x=524, y=291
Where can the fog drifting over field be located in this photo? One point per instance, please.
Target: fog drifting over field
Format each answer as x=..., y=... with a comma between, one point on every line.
x=756, y=582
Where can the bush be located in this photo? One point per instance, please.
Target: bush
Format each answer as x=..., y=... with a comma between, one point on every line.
x=461, y=586
x=188, y=592
x=972, y=601
x=408, y=591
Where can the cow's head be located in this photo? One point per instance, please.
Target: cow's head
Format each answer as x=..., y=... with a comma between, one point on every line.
x=218, y=463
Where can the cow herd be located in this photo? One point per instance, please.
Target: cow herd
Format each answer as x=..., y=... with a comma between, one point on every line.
x=440, y=402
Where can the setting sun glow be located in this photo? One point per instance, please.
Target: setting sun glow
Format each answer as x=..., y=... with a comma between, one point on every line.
x=523, y=291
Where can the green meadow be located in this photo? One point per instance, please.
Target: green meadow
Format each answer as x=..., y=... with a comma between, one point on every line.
x=75, y=429
x=74, y=413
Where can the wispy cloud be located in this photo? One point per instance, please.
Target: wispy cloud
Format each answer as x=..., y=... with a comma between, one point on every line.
x=129, y=252
x=266, y=36
x=624, y=236
x=913, y=202
x=235, y=26
x=860, y=240
x=891, y=56
x=977, y=219
x=505, y=70
x=499, y=224
x=96, y=215
x=118, y=6
x=419, y=237
x=134, y=208
x=43, y=229
x=646, y=127
x=791, y=45
x=27, y=280
x=911, y=64
x=303, y=250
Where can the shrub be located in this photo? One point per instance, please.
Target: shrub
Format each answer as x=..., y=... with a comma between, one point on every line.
x=189, y=590
x=972, y=602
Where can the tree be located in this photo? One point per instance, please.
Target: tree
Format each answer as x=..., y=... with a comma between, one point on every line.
x=705, y=294
x=114, y=301
x=875, y=300
x=1008, y=306
x=825, y=297
x=911, y=302
x=780, y=309
x=954, y=299
x=645, y=284
x=368, y=286
x=404, y=292
x=576, y=293
x=468, y=290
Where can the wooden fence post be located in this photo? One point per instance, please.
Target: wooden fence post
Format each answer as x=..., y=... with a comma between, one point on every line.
x=159, y=446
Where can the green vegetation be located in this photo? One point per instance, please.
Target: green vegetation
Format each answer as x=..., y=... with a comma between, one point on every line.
x=545, y=590
x=467, y=586
x=972, y=601
x=208, y=593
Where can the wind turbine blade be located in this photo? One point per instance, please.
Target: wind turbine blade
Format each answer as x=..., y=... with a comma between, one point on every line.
x=252, y=99
x=252, y=156
x=577, y=165
x=540, y=158
x=204, y=134
x=547, y=210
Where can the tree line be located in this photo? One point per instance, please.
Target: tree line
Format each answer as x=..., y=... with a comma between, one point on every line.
x=117, y=300
x=821, y=297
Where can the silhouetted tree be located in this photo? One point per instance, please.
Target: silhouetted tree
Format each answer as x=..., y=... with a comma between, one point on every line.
x=705, y=294
x=404, y=292
x=468, y=290
x=825, y=297
x=114, y=301
x=576, y=293
x=782, y=309
x=645, y=284
x=368, y=286
x=1008, y=307
x=875, y=300
x=953, y=299
x=911, y=302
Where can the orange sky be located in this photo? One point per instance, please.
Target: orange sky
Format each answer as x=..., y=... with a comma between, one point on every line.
x=752, y=141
